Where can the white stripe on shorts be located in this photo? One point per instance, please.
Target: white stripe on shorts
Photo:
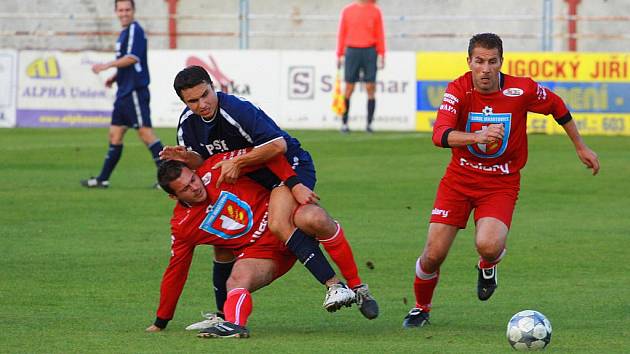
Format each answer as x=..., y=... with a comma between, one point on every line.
x=136, y=104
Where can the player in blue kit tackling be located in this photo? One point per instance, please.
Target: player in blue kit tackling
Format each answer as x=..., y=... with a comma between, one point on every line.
x=215, y=122
x=131, y=108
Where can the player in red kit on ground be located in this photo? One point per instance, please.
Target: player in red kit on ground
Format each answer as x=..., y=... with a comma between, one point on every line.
x=230, y=217
x=483, y=119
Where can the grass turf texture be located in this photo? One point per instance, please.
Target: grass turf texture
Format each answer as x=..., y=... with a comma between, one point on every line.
x=81, y=268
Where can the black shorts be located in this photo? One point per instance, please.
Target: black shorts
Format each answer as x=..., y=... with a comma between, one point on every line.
x=133, y=109
x=302, y=164
x=360, y=64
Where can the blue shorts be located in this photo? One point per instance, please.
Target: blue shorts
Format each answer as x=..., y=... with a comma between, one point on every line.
x=360, y=65
x=133, y=109
x=302, y=164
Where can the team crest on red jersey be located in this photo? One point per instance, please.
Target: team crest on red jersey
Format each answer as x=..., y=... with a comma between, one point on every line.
x=479, y=121
x=229, y=217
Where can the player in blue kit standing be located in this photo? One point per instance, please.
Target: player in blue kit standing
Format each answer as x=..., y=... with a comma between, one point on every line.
x=215, y=122
x=131, y=108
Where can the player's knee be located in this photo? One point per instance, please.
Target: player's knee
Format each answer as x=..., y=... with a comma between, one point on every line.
x=431, y=261
x=238, y=280
x=488, y=250
x=315, y=220
x=115, y=138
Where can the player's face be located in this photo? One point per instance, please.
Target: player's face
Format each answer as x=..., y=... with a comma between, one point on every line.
x=485, y=65
x=125, y=12
x=201, y=99
x=189, y=188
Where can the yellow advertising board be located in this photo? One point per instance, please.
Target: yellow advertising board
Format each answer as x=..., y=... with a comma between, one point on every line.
x=595, y=87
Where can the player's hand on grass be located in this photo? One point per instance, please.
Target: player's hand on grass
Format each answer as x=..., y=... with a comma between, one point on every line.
x=589, y=158
x=153, y=328
x=304, y=195
x=177, y=153
x=490, y=134
x=229, y=171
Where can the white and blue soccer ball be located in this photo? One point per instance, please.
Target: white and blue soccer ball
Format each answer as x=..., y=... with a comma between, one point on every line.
x=529, y=330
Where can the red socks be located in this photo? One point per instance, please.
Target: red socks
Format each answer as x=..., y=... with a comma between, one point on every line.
x=339, y=250
x=238, y=306
x=483, y=264
x=424, y=286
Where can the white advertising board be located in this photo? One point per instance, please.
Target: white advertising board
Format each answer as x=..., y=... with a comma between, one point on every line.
x=58, y=89
x=251, y=74
x=8, y=87
x=293, y=87
x=306, y=93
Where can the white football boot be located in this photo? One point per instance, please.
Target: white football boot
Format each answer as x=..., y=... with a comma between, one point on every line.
x=338, y=296
x=211, y=319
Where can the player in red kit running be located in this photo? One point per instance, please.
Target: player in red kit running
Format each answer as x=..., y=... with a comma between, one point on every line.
x=483, y=119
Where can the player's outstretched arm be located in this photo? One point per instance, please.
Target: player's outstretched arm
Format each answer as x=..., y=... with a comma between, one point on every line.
x=586, y=155
x=123, y=62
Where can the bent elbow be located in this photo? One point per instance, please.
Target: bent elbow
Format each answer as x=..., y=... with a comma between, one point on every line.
x=440, y=137
x=280, y=145
x=437, y=139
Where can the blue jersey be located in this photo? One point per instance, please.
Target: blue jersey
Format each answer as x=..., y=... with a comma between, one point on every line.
x=239, y=124
x=132, y=42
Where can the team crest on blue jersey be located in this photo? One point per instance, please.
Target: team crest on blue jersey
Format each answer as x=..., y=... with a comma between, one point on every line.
x=229, y=218
x=479, y=121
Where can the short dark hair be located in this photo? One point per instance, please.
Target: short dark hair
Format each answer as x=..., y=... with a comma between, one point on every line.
x=487, y=41
x=189, y=78
x=169, y=171
x=133, y=4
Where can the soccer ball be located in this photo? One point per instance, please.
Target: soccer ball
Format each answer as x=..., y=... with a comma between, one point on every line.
x=529, y=330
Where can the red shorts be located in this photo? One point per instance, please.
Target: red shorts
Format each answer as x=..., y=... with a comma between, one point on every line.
x=458, y=195
x=269, y=247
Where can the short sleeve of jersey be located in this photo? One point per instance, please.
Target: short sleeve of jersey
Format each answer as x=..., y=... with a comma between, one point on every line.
x=260, y=128
x=447, y=113
x=137, y=43
x=544, y=101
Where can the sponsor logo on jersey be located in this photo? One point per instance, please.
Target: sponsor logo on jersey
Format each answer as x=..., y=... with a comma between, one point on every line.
x=513, y=92
x=503, y=168
x=479, y=121
x=541, y=92
x=229, y=218
x=448, y=103
x=205, y=179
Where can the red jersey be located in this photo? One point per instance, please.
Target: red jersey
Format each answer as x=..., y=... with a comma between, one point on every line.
x=465, y=109
x=233, y=216
x=361, y=26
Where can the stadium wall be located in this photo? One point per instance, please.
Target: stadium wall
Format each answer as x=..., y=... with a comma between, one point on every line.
x=58, y=89
x=427, y=25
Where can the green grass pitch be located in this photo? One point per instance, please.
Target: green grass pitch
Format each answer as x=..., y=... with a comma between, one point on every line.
x=80, y=269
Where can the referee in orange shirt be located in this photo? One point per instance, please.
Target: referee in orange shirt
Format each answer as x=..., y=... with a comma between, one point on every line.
x=361, y=39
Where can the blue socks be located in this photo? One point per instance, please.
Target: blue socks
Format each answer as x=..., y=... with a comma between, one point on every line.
x=307, y=250
x=155, y=149
x=111, y=159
